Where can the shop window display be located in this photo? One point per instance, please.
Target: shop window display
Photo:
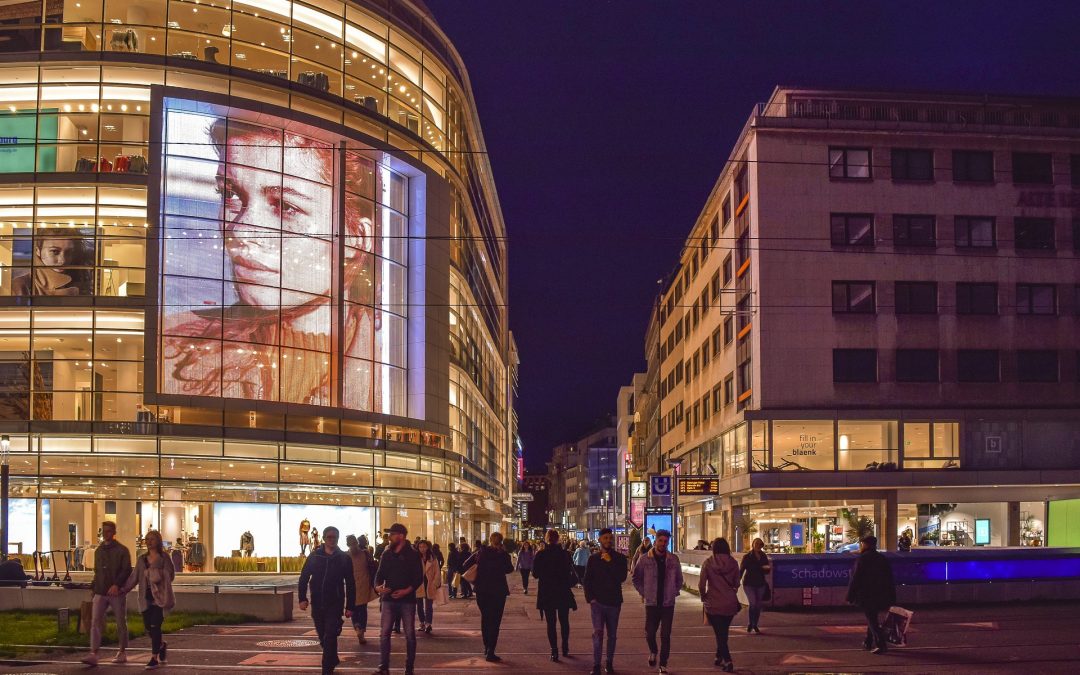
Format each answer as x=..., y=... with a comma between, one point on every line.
x=803, y=446
x=867, y=446
x=931, y=445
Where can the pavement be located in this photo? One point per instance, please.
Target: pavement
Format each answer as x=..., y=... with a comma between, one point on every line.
x=1007, y=638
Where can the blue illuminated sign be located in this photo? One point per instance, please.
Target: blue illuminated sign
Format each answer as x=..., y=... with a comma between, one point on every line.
x=660, y=485
x=798, y=537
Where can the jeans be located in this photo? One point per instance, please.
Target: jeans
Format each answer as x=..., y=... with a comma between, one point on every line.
x=466, y=589
x=359, y=617
x=563, y=616
x=580, y=570
x=755, y=595
x=405, y=612
x=721, y=625
x=525, y=579
x=875, y=633
x=604, y=616
x=328, y=622
x=491, y=614
x=152, y=618
x=102, y=603
x=659, y=617
x=425, y=609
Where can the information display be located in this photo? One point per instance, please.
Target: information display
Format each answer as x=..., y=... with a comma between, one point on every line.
x=982, y=531
x=657, y=520
x=698, y=485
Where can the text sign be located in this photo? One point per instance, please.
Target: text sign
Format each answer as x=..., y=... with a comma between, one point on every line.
x=698, y=485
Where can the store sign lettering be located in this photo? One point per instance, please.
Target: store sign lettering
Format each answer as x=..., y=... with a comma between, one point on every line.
x=1049, y=199
x=808, y=444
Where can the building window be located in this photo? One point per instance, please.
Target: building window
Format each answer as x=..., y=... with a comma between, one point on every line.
x=854, y=365
x=852, y=229
x=978, y=365
x=729, y=330
x=976, y=298
x=973, y=166
x=729, y=389
x=1037, y=365
x=916, y=297
x=678, y=372
x=912, y=164
x=714, y=286
x=716, y=343
x=914, y=230
x=717, y=399
x=975, y=232
x=742, y=248
x=1033, y=168
x=917, y=365
x=705, y=354
x=725, y=211
x=1034, y=234
x=853, y=297
x=743, y=376
x=744, y=311
x=742, y=181
x=728, y=270
x=1038, y=299
x=704, y=302
x=704, y=408
x=849, y=163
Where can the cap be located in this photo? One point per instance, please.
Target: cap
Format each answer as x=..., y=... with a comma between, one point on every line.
x=398, y=528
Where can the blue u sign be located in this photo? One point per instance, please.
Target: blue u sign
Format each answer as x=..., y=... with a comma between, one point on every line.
x=661, y=486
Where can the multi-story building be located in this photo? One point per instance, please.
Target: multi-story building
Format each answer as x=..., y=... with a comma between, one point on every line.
x=539, y=486
x=584, y=477
x=628, y=418
x=252, y=278
x=877, y=313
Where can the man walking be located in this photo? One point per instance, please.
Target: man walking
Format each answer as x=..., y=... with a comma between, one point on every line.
x=604, y=576
x=658, y=579
x=400, y=574
x=872, y=590
x=329, y=571
x=581, y=559
x=112, y=566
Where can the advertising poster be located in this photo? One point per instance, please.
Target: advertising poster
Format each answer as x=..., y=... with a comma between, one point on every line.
x=637, y=512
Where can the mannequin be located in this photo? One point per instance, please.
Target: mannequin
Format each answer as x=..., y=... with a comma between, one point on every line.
x=314, y=537
x=247, y=544
x=305, y=540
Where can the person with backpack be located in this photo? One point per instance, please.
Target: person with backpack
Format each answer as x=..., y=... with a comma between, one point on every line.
x=873, y=590
x=718, y=587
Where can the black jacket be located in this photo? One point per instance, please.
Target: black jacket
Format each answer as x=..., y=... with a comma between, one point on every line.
x=554, y=570
x=604, y=580
x=872, y=586
x=400, y=569
x=330, y=576
x=752, y=570
x=492, y=566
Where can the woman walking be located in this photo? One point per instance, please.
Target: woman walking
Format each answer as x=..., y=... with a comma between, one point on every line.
x=453, y=567
x=153, y=574
x=425, y=595
x=554, y=572
x=464, y=553
x=363, y=568
x=719, y=585
x=525, y=563
x=492, y=565
x=754, y=571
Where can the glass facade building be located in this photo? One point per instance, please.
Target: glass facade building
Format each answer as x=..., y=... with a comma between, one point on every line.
x=252, y=278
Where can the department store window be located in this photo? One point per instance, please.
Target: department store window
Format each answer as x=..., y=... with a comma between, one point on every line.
x=1037, y=365
x=973, y=166
x=975, y=232
x=853, y=297
x=854, y=365
x=852, y=229
x=916, y=297
x=1033, y=168
x=917, y=365
x=863, y=445
x=913, y=165
x=914, y=230
x=976, y=298
x=1034, y=234
x=931, y=445
x=849, y=163
x=1036, y=299
x=803, y=446
x=978, y=365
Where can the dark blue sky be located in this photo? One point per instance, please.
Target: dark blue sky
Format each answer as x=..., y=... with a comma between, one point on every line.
x=609, y=122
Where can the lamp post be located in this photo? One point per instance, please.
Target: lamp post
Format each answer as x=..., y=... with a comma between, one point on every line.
x=5, y=484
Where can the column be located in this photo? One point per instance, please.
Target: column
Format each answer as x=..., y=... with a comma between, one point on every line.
x=885, y=517
x=1012, y=524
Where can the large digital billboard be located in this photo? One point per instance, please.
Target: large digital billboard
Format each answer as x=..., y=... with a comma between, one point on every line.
x=283, y=263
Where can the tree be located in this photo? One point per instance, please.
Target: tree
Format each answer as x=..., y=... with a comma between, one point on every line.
x=858, y=526
x=746, y=526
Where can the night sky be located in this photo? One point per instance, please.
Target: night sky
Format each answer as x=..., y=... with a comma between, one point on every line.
x=609, y=122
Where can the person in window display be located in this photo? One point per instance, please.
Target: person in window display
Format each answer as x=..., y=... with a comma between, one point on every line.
x=56, y=253
x=278, y=237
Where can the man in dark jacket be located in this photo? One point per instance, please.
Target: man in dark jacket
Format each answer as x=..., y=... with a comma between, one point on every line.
x=873, y=591
x=328, y=571
x=604, y=576
x=492, y=565
x=400, y=574
x=554, y=571
x=112, y=565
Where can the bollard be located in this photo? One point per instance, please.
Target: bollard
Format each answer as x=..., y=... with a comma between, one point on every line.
x=63, y=620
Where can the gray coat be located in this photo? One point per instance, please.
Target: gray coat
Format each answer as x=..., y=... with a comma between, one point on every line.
x=645, y=578
x=158, y=577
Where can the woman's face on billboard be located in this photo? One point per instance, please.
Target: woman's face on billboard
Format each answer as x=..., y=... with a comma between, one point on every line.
x=277, y=227
x=57, y=253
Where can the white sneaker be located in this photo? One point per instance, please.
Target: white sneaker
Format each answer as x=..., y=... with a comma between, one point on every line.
x=120, y=657
x=90, y=660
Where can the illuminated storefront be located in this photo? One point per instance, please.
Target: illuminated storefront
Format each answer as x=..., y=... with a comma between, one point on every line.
x=229, y=236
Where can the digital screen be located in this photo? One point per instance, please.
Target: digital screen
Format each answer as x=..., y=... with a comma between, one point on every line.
x=283, y=262
x=798, y=536
x=654, y=522
x=982, y=531
x=51, y=260
x=690, y=485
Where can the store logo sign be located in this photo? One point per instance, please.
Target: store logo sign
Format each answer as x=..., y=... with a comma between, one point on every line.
x=660, y=485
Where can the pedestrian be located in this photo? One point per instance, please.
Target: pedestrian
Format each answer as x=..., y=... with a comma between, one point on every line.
x=904, y=544
x=453, y=567
x=754, y=571
x=464, y=553
x=380, y=545
x=554, y=572
x=604, y=577
x=492, y=565
x=581, y=559
x=400, y=574
x=646, y=544
x=435, y=551
x=153, y=575
x=363, y=570
x=525, y=563
x=112, y=566
x=658, y=579
x=429, y=589
x=718, y=586
x=329, y=573
x=872, y=590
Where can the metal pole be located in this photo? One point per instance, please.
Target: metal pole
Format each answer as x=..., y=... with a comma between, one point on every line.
x=5, y=485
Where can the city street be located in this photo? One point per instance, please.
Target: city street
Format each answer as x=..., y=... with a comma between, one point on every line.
x=971, y=639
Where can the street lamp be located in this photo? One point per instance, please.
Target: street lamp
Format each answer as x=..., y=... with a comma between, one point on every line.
x=604, y=504
x=5, y=480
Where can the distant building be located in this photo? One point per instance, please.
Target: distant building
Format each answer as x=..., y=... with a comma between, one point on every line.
x=584, y=479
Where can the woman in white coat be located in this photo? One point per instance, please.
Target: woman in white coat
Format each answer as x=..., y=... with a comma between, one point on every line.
x=153, y=575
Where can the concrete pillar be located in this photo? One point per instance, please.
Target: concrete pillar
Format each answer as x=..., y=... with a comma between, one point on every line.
x=1012, y=524
x=885, y=518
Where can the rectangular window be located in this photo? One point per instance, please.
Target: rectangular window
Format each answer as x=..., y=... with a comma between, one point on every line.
x=1034, y=234
x=975, y=232
x=744, y=312
x=976, y=298
x=697, y=364
x=716, y=343
x=1037, y=365
x=728, y=270
x=725, y=211
x=729, y=330
x=705, y=352
x=742, y=248
x=704, y=302
x=912, y=164
x=678, y=372
x=717, y=398
x=729, y=390
x=914, y=230
x=742, y=376
x=696, y=312
x=714, y=286
x=973, y=166
x=852, y=229
x=742, y=182
x=978, y=365
x=916, y=297
x=849, y=163
x=853, y=297
x=705, y=408
x=1033, y=168
x=917, y=365
x=697, y=415
x=1038, y=299
x=854, y=365
x=689, y=370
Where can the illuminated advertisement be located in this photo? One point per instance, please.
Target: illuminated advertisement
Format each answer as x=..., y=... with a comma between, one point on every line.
x=283, y=262
x=697, y=485
x=637, y=512
x=656, y=520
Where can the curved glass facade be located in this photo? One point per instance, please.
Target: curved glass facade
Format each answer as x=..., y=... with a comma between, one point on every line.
x=156, y=369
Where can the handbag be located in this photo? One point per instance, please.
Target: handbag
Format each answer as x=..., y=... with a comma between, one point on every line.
x=767, y=595
x=470, y=574
x=442, y=596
